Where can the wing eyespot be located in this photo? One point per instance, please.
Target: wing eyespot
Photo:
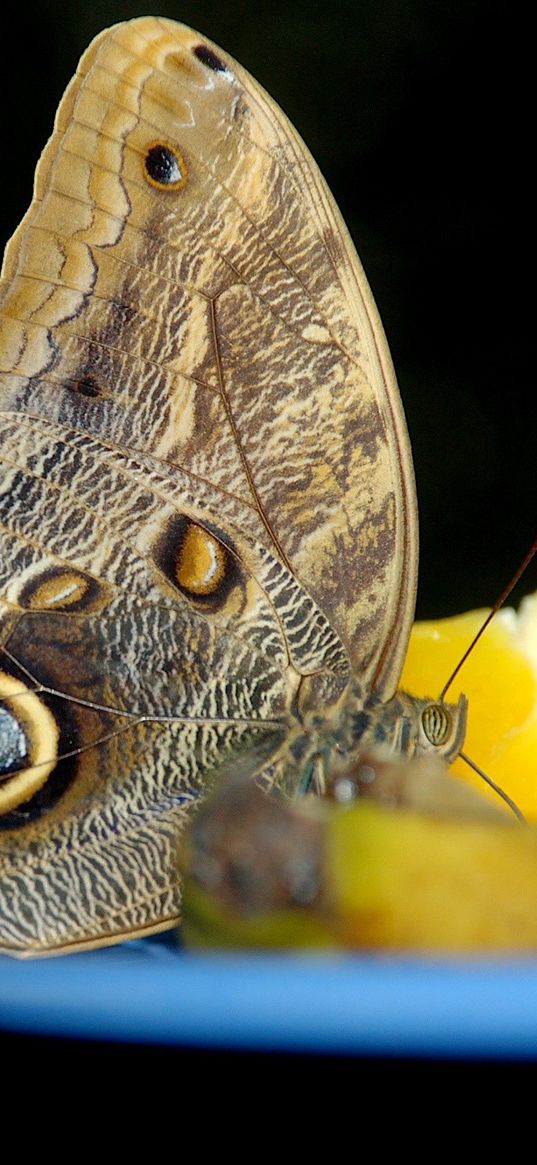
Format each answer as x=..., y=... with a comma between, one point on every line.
x=164, y=167
x=87, y=385
x=59, y=588
x=209, y=58
x=201, y=563
x=28, y=743
x=197, y=562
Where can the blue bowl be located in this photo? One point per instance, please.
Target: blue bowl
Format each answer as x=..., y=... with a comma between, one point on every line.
x=151, y=991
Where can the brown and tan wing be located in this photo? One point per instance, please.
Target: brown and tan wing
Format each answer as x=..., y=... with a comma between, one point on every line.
x=183, y=285
x=206, y=491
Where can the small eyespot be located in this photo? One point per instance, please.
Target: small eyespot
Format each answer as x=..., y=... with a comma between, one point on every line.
x=63, y=589
x=164, y=167
x=436, y=723
x=209, y=58
x=86, y=385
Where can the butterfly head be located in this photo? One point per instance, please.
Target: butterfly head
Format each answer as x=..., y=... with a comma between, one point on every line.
x=405, y=726
x=413, y=727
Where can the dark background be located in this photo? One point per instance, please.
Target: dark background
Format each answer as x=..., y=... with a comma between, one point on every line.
x=419, y=114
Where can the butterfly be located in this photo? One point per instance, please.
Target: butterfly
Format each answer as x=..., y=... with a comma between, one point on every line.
x=208, y=539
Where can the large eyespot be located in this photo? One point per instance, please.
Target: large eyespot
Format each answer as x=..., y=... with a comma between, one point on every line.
x=28, y=743
x=164, y=167
x=436, y=723
x=197, y=562
x=201, y=562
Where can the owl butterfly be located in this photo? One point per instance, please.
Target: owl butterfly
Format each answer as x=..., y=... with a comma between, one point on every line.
x=208, y=540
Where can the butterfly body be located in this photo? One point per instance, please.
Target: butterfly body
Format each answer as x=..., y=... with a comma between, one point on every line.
x=208, y=540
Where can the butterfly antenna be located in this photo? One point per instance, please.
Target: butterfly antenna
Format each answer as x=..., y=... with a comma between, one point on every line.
x=499, y=603
x=497, y=788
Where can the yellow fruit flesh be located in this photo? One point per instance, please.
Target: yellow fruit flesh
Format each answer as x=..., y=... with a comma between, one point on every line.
x=407, y=881
x=207, y=924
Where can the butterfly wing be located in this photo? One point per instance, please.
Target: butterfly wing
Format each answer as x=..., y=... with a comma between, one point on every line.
x=207, y=490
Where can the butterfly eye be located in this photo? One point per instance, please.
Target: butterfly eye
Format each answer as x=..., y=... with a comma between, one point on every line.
x=164, y=167
x=436, y=723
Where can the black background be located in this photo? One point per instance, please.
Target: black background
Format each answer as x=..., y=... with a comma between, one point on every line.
x=420, y=115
